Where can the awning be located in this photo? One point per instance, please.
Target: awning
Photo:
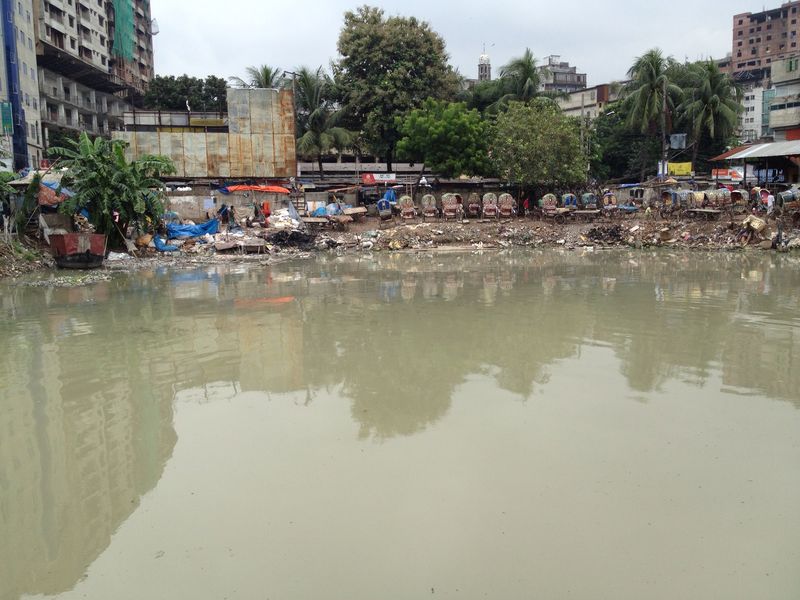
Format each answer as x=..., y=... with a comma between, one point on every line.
x=771, y=150
x=270, y=189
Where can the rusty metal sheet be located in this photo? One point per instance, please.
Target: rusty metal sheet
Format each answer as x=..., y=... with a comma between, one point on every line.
x=130, y=140
x=147, y=143
x=285, y=161
x=194, y=145
x=241, y=155
x=239, y=111
x=261, y=103
x=283, y=114
x=263, y=156
x=218, y=155
x=171, y=145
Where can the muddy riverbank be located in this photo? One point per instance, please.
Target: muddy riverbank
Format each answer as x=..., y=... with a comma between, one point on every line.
x=267, y=246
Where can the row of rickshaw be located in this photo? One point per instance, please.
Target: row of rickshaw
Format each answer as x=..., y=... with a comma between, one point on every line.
x=453, y=206
x=708, y=204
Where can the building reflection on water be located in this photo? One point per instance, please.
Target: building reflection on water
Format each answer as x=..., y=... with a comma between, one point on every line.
x=91, y=373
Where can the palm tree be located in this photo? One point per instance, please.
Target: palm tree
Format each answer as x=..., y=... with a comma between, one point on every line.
x=317, y=117
x=652, y=97
x=651, y=94
x=522, y=76
x=712, y=104
x=263, y=76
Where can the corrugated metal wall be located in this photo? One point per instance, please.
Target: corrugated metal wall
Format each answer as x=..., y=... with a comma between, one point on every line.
x=260, y=142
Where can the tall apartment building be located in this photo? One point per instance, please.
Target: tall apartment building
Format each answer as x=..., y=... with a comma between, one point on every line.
x=559, y=76
x=95, y=59
x=760, y=39
x=20, y=87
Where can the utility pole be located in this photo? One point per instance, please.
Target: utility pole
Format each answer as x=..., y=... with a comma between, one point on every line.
x=664, y=130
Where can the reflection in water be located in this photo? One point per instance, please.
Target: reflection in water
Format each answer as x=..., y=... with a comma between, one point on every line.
x=87, y=424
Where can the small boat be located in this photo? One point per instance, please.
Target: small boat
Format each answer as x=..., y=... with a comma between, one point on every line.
x=78, y=250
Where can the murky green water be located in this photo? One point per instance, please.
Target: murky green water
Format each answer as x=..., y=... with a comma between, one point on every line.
x=543, y=425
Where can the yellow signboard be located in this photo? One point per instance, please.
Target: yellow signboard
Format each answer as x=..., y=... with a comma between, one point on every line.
x=680, y=169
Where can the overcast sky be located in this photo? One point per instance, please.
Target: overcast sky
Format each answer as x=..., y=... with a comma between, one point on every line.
x=601, y=38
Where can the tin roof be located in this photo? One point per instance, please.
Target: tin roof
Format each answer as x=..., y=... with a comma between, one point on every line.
x=770, y=150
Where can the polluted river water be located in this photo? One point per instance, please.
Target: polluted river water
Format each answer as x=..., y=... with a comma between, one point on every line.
x=468, y=425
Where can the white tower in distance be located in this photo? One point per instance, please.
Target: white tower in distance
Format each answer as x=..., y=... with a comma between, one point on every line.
x=484, y=67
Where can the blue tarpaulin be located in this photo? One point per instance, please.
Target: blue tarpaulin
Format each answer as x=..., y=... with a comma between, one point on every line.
x=56, y=188
x=161, y=246
x=186, y=231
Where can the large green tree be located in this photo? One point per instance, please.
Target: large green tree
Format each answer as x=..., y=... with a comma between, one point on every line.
x=318, y=117
x=388, y=66
x=114, y=191
x=173, y=93
x=447, y=137
x=261, y=76
x=711, y=104
x=535, y=145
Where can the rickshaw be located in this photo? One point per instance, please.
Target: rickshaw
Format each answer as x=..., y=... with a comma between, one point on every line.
x=474, y=205
x=451, y=209
x=407, y=208
x=670, y=204
x=384, y=208
x=589, y=201
x=490, y=205
x=551, y=210
x=610, y=204
x=506, y=206
x=429, y=206
x=739, y=201
x=569, y=201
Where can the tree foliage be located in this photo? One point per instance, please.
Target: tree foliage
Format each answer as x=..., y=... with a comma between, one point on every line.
x=650, y=81
x=534, y=144
x=318, y=118
x=172, y=93
x=113, y=191
x=711, y=105
x=449, y=138
x=261, y=76
x=388, y=67
x=620, y=151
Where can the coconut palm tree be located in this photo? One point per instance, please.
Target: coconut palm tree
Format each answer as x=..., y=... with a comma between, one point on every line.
x=263, y=76
x=318, y=118
x=522, y=76
x=646, y=92
x=652, y=96
x=712, y=103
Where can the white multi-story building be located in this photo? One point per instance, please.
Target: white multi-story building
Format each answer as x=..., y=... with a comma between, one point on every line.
x=750, y=121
